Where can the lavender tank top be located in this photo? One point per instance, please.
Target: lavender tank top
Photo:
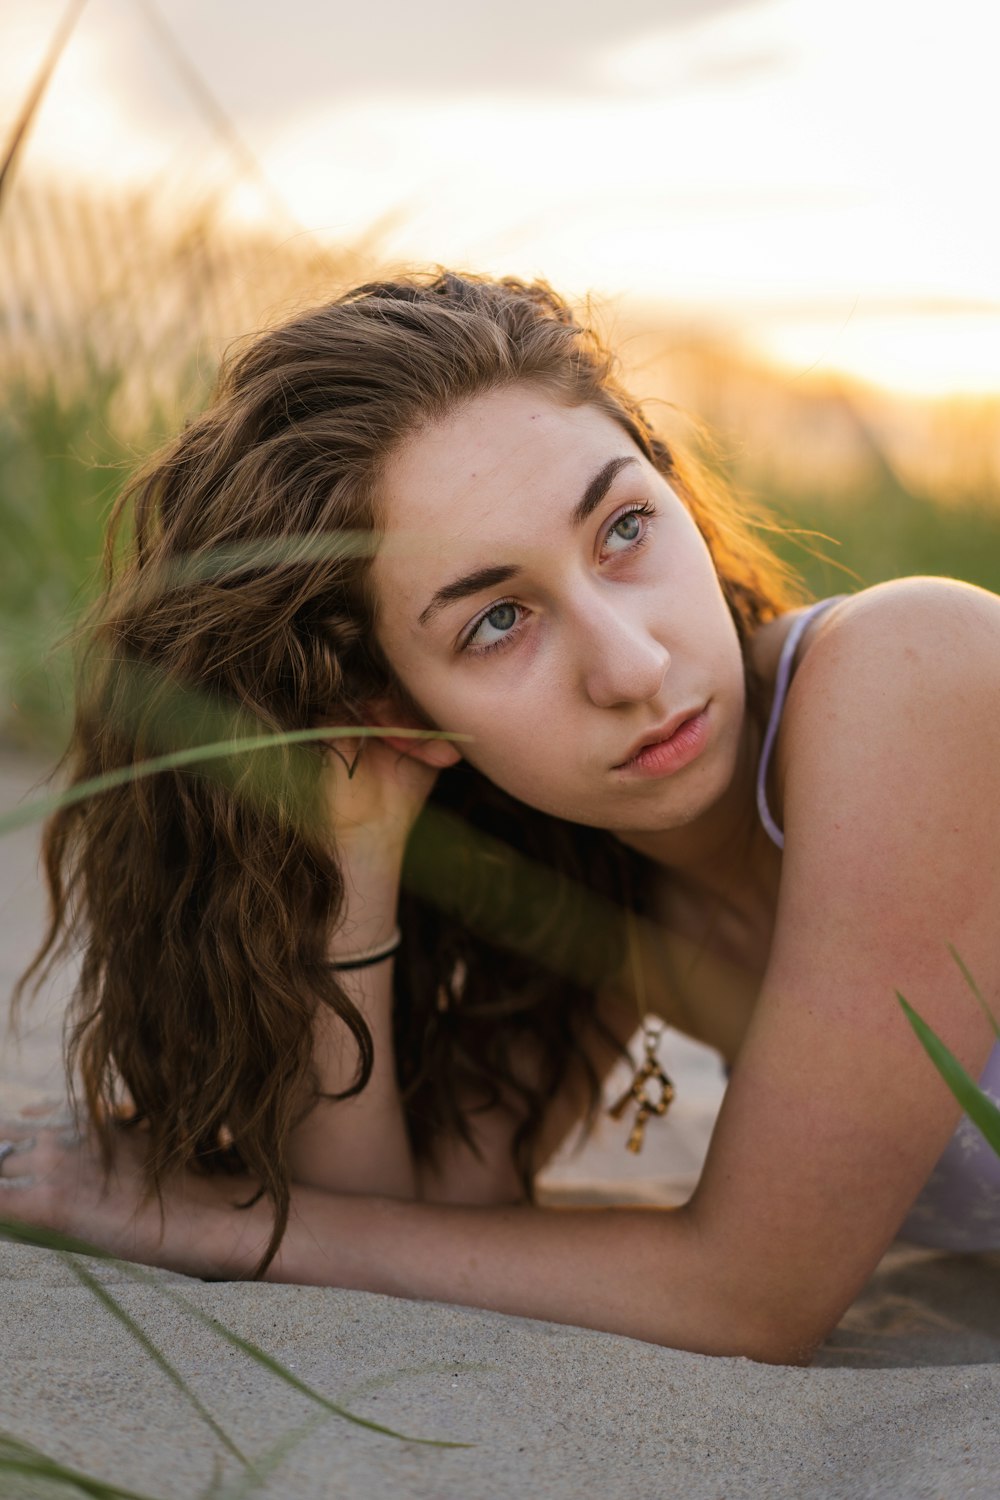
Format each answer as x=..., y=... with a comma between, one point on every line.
x=959, y=1207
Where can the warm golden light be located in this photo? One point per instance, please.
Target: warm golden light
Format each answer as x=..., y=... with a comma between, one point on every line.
x=815, y=177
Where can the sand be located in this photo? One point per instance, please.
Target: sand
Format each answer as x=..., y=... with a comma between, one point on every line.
x=900, y=1402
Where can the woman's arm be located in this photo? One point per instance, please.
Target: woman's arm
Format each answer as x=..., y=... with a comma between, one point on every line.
x=360, y=1144
x=833, y=1117
x=638, y=1272
x=890, y=795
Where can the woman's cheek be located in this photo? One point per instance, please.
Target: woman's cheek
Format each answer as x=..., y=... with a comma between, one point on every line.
x=512, y=760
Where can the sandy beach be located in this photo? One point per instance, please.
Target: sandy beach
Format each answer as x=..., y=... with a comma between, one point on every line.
x=900, y=1402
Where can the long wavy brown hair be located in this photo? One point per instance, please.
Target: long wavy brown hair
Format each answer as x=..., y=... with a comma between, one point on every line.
x=237, y=600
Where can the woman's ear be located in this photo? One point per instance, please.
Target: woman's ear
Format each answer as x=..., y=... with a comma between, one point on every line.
x=388, y=714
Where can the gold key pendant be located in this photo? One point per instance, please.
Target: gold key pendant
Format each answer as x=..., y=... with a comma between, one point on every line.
x=650, y=1071
x=634, y=1142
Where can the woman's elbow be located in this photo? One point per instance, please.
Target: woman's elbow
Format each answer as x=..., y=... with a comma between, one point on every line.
x=728, y=1312
x=777, y=1347
x=784, y=1350
x=776, y=1337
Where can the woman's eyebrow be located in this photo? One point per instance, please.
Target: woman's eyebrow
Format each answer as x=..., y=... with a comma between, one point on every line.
x=485, y=578
x=471, y=583
x=598, y=488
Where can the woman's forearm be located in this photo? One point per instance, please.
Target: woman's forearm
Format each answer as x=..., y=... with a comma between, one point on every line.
x=655, y=1274
x=634, y=1271
x=360, y=1144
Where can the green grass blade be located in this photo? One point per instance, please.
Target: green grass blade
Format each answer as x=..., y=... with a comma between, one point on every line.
x=51, y=1239
x=42, y=1238
x=287, y=550
x=268, y=1461
x=40, y=807
x=983, y=1113
x=117, y=1311
x=973, y=986
x=23, y=1459
x=39, y=86
x=18, y=1457
x=283, y=1373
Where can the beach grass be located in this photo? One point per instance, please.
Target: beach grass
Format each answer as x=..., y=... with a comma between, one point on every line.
x=62, y=466
x=27, y=1461
x=884, y=532
x=65, y=454
x=980, y=1109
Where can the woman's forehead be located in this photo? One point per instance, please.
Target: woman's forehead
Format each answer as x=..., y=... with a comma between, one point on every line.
x=501, y=454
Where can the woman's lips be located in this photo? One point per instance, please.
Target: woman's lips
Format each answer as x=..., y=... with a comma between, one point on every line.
x=669, y=755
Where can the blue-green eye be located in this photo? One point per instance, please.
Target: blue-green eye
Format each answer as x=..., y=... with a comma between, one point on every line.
x=501, y=619
x=629, y=529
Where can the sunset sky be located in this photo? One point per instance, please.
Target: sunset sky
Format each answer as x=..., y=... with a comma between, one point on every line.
x=816, y=179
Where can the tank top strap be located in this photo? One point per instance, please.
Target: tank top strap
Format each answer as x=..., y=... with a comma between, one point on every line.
x=781, y=684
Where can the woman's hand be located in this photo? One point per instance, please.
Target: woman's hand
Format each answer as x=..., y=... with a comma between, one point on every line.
x=53, y=1180
x=377, y=787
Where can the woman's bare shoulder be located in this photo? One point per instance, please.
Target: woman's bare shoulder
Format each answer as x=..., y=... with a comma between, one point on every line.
x=916, y=602
x=939, y=630
x=875, y=615
x=901, y=680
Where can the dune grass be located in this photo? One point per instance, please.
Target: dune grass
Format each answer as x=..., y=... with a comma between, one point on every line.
x=24, y=1460
x=57, y=482
x=64, y=458
x=885, y=532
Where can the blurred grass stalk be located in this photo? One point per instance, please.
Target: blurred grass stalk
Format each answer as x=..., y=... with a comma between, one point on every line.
x=26, y=1460
x=113, y=317
x=65, y=449
x=980, y=1109
x=112, y=320
x=286, y=784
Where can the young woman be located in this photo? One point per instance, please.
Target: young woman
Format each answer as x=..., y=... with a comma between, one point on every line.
x=339, y=1004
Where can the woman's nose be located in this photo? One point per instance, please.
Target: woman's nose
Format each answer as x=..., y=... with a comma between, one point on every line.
x=620, y=659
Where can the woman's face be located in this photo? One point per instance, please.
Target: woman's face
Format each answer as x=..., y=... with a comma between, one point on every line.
x=541, y=588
